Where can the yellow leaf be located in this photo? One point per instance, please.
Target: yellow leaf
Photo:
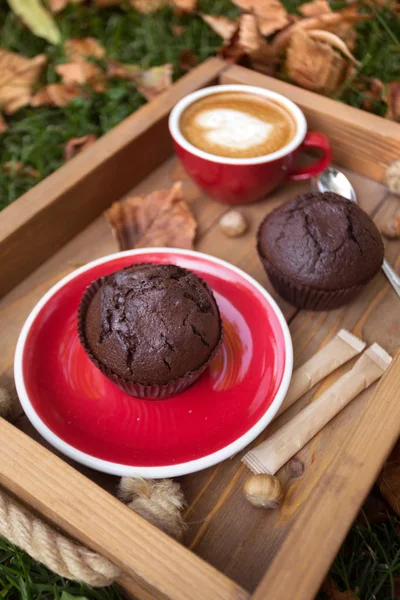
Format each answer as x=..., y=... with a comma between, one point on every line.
x=37, y=19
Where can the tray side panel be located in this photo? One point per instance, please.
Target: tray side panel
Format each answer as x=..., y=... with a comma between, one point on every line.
x=329, y=511
x=158, y=564
x=365, y=143
x=46, y=217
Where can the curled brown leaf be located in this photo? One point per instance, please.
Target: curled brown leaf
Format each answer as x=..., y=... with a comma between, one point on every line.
x=3, y=124
x=330, y=588
x=184, y=6
x=79, y=49
x=161, y=218
x=392, y=97
x=57, y=6
x=149, y=82
x=75, y=146
x=314, y=65
x=248, y=41
x=222, y=26
x=188, y=60
x=56, y=94
x=13, y=167
x=18, y=75
x=315, y=8
x=333, y=40
x=82, y=73
x=271, y=14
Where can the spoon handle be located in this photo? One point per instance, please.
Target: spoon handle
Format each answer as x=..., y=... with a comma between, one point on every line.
x=392, y=276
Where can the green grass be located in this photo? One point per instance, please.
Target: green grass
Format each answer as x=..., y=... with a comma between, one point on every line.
x=37, y=136
x=21, y=578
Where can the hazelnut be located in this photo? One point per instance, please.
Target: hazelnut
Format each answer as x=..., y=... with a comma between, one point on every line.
x=264, y=490
x=233, y=223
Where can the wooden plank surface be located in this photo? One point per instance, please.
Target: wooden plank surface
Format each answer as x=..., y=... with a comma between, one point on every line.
x=237, y=539
x=365, y=143
x=157, y=564
x=329, y=511
x=56, y=209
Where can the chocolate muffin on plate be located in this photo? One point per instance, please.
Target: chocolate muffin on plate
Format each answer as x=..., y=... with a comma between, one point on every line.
x=151, y=328
x=319, y=250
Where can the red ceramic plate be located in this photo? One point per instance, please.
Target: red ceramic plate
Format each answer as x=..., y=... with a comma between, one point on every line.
x=83, y=414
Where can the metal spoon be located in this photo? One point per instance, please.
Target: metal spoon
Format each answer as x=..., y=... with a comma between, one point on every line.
x=332, y=180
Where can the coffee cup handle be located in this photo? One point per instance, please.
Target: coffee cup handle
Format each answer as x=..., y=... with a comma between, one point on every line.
x=313, y=139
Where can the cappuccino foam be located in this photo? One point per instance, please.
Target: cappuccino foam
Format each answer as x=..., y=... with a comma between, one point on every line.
x=237, y=125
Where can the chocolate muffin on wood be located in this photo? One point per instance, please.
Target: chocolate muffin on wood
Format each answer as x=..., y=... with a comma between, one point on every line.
x=319, y=250
x=152, y=329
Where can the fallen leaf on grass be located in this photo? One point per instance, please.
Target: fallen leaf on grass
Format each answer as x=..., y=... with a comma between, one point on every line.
x=56, y=94
x=271, y=14
x=333, y=40
x=330, y=588
x=392, y=97
x=330, y=21
x=3, y=124
x=314, y=65
x=222, y=26
x=247, y=41
x=372, y=90
x=79, y=49
x=147, y=6
x=75, y=146
x=188, y=60
x=57, y=6
x=82, y=73
x=374, y=510
x=177, y=30
x=18, y=75
x=37, y=18
x=150, y=82
x=161, y=218
x=184, y=6
x=315, y=8
x=12, y=167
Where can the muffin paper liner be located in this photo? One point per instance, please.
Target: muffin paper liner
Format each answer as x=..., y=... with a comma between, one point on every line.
x=307, y=297
x=139, y=390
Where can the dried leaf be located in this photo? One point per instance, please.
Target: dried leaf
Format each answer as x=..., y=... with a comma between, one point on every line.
x=329, y=21
x=147, y=6
x=247, y=41
x=188, y=60
x=37, y=18
x=75, y=146
x=161, y=218
x=334, y=40
x=150, y=82
x=79, y=49
x=177, y=30
x=314, y=65
x=184, y=6
x=315, y=8
x=222, y=26
x=3, y=124
x=391, y=230
x=57, y=6
x=372, y=89
x=392, y=97
x=82, y=73
x=18, y=75
x=56, y=94
x=374, y=510
x=271, y=14
x=389, y=479
x=12, y=167
x=330, y=588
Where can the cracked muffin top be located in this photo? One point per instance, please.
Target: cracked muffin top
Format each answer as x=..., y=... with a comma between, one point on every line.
x=152, y=323
x=321, y=240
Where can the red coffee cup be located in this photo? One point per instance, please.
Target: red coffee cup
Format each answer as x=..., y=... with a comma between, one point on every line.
x=245, y=180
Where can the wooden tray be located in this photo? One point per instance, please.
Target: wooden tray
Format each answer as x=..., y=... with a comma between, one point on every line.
x=231, y=549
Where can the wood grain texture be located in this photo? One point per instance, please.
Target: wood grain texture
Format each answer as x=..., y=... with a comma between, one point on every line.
x=46, y=217
x=365, y=143
x=157, y=564
x=329, y=512
x=235, y=538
